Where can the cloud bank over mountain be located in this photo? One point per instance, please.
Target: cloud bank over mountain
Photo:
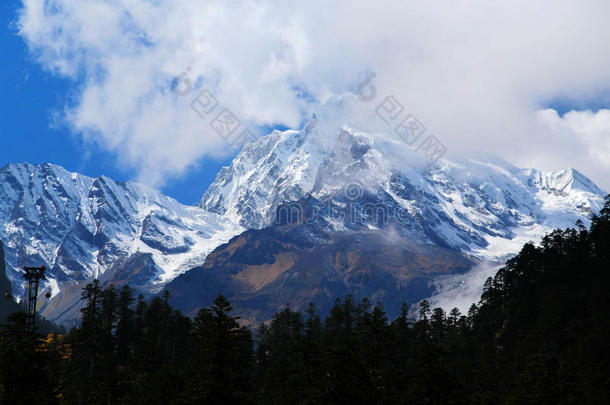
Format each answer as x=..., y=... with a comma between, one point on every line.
x=480, y=76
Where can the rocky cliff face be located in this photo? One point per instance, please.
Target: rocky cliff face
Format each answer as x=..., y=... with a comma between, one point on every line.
x=263, y=270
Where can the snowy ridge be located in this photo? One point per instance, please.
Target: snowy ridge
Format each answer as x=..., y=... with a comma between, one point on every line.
x=279, y=167
x=482, y=206
x=80, y=227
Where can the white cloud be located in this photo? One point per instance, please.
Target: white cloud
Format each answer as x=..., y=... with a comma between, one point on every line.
x=477, y=73
x=581, y=138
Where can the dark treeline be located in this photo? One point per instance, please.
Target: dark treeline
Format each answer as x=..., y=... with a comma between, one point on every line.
x=539, y=335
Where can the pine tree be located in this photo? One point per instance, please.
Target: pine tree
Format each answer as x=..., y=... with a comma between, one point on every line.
x=125, y=328
x=26, y=376
x=221, y=366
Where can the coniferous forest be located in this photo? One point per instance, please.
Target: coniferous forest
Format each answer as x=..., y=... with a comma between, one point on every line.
x=539, y=335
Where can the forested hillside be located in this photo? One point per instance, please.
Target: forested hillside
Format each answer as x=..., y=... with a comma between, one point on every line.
x=539, y=335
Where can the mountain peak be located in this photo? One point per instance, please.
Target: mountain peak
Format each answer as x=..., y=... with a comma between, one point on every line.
x=564, y=181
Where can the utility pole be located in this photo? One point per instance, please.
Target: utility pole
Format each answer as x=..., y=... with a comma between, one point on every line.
x=32, y=275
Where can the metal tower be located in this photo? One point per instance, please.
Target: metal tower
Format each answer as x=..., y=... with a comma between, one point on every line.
x=32, y=275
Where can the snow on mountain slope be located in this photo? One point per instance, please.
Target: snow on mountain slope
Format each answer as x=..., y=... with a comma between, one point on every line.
x=80, y=227
x=482, y=206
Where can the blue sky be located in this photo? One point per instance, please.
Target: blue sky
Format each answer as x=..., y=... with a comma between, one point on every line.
x=32, y=97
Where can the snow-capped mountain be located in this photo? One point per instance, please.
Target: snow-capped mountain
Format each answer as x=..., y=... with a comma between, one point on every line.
x=347, y=188
x=81, y=228
x=336, y=213
x=481, y=206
